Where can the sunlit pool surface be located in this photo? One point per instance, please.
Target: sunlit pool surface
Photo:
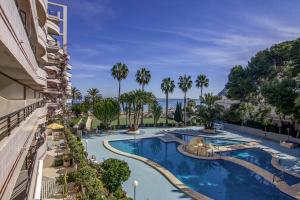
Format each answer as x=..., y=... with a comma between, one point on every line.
x=217, y=179
x=262, y=159
x=209, y=140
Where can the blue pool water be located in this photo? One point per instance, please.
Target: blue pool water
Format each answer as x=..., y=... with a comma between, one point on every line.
x=217, y=179
x=209, y=140
x=262, y=159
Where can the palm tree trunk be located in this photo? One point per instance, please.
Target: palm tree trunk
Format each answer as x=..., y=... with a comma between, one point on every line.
x=184, y=102
x=142, y=117
x=119, y=101
x=201, y=93
x=129, y=113
x=93, y=102
x=167, y=104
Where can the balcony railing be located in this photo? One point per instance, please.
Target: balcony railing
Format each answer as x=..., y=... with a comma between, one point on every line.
x=13, y=120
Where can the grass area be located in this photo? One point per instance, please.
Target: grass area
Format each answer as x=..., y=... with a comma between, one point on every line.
x=96, y=122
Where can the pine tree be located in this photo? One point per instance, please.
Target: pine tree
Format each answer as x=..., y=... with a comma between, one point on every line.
x=178, y=113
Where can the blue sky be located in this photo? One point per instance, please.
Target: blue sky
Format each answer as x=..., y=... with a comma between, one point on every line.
x=172, y=38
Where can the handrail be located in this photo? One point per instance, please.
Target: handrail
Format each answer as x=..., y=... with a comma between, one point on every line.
x=12, y=120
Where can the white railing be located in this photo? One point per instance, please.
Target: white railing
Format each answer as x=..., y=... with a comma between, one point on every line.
x=48, y=189
x=38, y=185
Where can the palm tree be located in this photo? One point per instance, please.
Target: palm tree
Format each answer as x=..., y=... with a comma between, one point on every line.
x=135, y=101
x=119, y=72
x=75, y=94
x=156, y=111
x=94, y=93
x=143, y=77
x=167, y=86
x=209, y=110
x=185, y=83
x=201, y=81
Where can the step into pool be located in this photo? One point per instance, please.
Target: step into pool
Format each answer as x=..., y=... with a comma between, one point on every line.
x=217, y=179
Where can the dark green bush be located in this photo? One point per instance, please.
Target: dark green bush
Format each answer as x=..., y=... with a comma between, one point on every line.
x=58, y=161
x=114, y=173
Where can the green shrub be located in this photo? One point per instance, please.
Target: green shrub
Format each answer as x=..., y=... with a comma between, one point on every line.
x=58, y=161
x=114, y=173
x=71, y=177
x=87, y=177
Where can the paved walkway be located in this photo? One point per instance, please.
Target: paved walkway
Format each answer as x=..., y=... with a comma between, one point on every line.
x=153, y=185
x=88, y=124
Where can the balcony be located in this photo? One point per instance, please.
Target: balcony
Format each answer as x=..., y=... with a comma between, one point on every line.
x=44, y=59
x=53, y=46
x=17, y=130
x=53, y=81
x=16, y=50
x=69, y=75
x=52, y=68
x=41, y=76
x=42, y=42
x=53, y=105
x=69, y=67
x=53, y=29
x=66, y=78
x=52, y=91
x=41, y=7
x=54, y=16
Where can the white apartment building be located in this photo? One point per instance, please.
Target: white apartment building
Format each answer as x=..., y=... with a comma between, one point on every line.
x=34, y=85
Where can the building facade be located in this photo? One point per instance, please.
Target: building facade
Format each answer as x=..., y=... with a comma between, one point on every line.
x=34, y=86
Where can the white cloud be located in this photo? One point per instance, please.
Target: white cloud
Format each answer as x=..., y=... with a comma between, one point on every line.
x=276, y=28
x=83, y=76
x=91, y=67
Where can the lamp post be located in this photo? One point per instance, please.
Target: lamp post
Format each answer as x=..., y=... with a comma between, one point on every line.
x=135, y=183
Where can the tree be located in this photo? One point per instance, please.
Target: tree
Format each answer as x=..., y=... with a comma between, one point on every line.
x=135, y=100
x=107, y=110
x=167, y=86
x=201, y=81
x=143, y=77
x=281, y=94
x=185, y=83
x=178, y=113
x=156, y=111
x=114, y=172
x=246, y=110
x=119, y=72
x=209, y=111
x=239, y=84
x=191, y=106
x=75, y=94
x=76, y=109
x=94, y=94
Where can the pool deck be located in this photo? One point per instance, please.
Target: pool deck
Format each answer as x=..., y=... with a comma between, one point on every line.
x=157, y=186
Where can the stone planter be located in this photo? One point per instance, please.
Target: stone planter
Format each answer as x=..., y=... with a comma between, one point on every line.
x=67, y=163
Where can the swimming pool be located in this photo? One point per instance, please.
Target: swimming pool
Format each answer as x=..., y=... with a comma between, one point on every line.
x=209, y=140
x=262, y=159
x=217, y=179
